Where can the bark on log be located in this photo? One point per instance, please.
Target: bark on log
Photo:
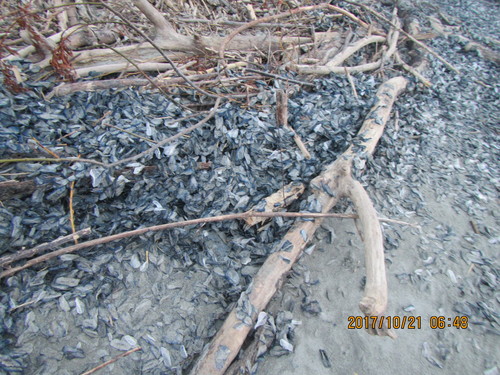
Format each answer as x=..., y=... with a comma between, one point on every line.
x=333, y=183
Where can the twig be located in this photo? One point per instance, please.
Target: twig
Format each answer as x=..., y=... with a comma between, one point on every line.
x=129, y=132
x=333, y=65
x=411, y=70
x=71, y=212
x=127, y=160
x=393, y=221
x=282, y=120
x=170, y=139
x=351, y=82
x=322, y=69
x=51, y=153
x=102, y=365
x=123, y=67
x=286, y=79
x=156, y=228
x=392, y=39
x=27, y=303
x=233, y=23
x=238, y=64
x=55, y=160
x=28, y=253
x=68, y=88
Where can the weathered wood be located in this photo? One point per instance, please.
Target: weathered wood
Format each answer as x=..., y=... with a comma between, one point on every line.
x=328, y=188
x=278, y=201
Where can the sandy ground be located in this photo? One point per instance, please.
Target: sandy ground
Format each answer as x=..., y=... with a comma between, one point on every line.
x=338, y=267
x=430, y=270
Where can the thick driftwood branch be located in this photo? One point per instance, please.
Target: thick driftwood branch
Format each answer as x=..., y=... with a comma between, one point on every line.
x=162, y=26
x=322, y=69
x=123, y=67
x=374, y=301
x=333, y=183
x=226, y=344
x=68, y=88
x=150, y=41
x=178, y=51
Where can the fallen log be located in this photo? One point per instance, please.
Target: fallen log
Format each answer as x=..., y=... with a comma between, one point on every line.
x=335, y=182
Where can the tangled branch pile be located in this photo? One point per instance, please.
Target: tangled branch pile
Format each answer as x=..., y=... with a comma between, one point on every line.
x=173, y=46
x=185, y=51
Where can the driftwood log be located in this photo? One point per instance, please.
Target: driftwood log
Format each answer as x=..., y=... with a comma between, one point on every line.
x=335, y=182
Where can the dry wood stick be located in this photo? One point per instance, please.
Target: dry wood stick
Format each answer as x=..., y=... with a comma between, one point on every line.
x=333, y=183
x=286, y=79
x=353, y=48
x=53, y=160
x=412, y=70
x=322, y=69
x=71, y=211
x=112, y=360
x=161, y=25
x=155, y=228
x=231, y=23
x=68, y=88
x=123, y=67
x=351, y=82
x=47, y=150
x=28, y=253
x=333, y=65
x=282, y=120
x=62, y=16
x=128, y=132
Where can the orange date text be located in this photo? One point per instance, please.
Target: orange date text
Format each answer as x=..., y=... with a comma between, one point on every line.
x=390, y=322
